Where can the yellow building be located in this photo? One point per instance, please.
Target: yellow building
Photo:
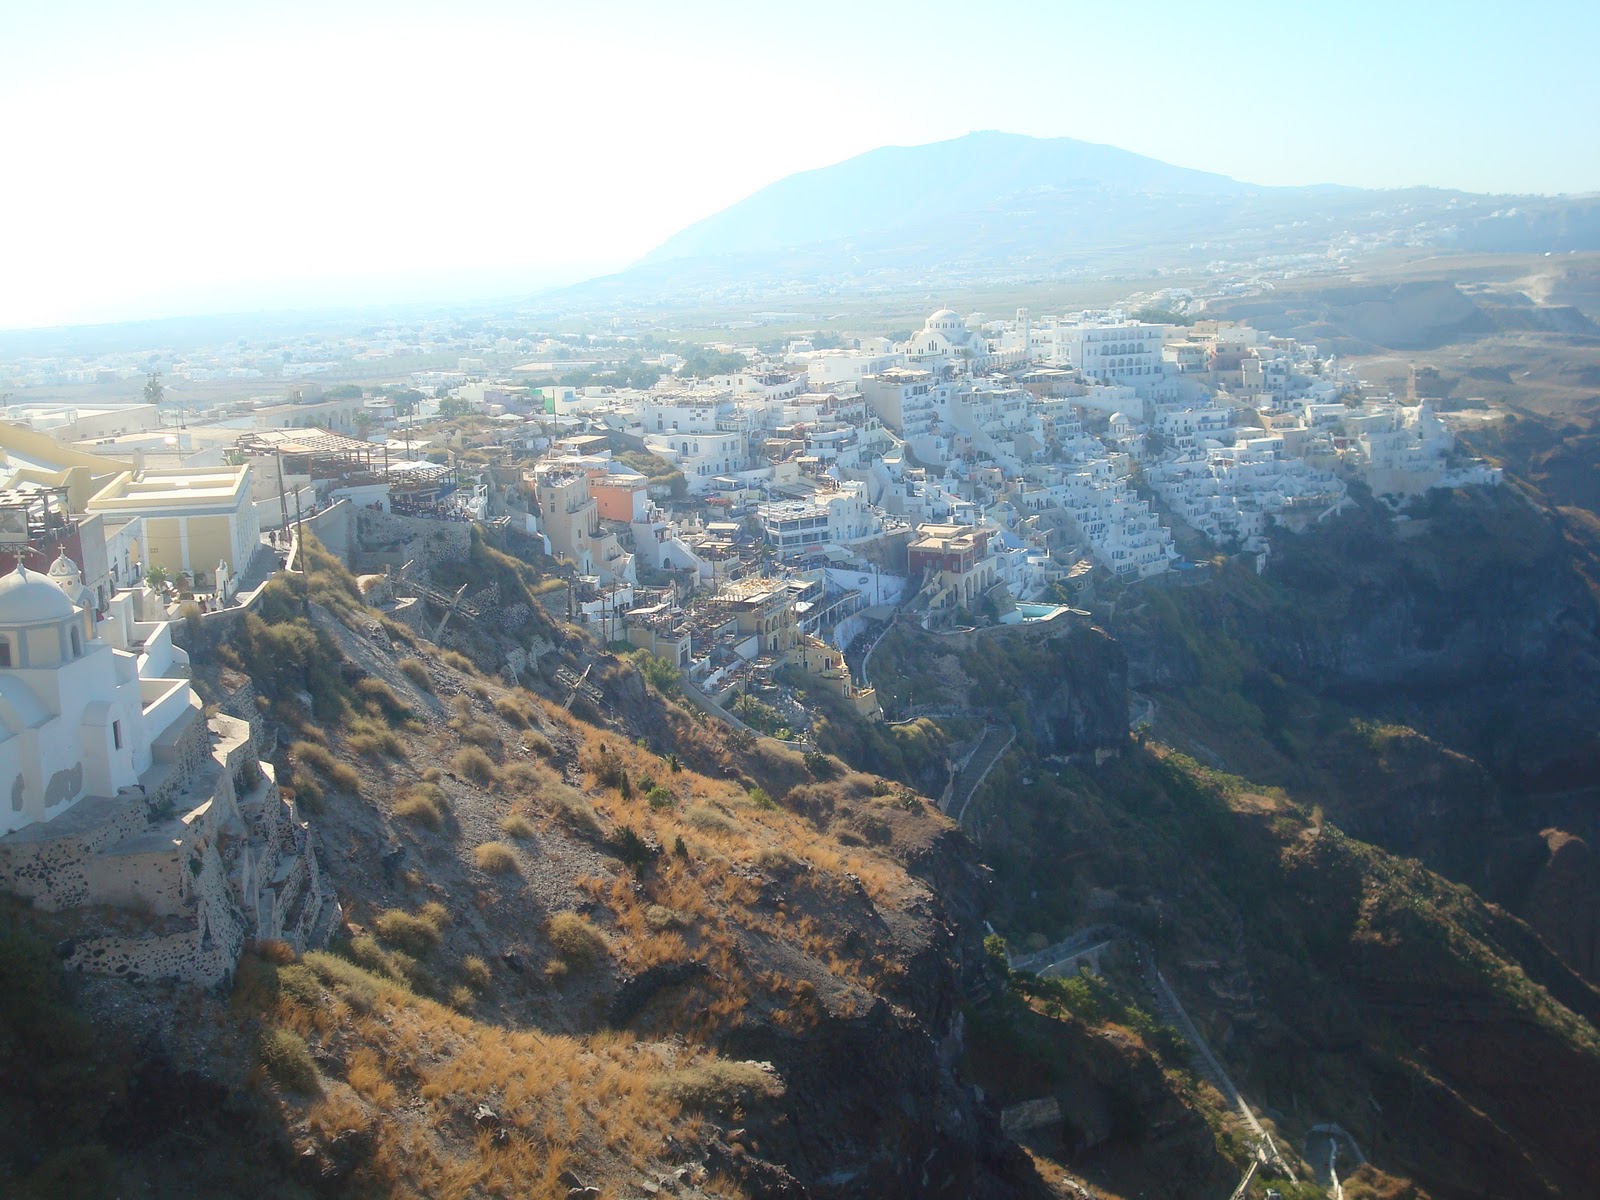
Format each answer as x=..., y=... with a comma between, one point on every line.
x=193, y=517
x=28, y=457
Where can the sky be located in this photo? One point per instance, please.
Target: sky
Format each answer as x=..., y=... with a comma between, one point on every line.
x=172, y=157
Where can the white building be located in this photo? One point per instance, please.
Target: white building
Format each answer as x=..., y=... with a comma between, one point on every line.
x=944, y=341
x=1127, y=352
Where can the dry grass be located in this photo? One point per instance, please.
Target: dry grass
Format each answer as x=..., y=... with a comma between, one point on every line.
x=719, y=1085
x=515, y=825
x=707, y=819
x=413, y=1071
x=320, y=759
x=496, y=858
x=421, y=804
x=416, y=934
x=457, y=662
x=285, y=1056
x=416, y=671
x=575, y=941
x=473, y=764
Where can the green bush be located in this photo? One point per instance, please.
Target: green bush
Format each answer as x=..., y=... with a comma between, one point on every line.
x=662, y=675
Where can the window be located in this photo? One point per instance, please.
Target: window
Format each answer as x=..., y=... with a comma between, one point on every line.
x=77, y=642
x=116, y=734
x=5, y=652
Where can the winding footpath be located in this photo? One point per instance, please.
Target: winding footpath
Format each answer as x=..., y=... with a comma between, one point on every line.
x=1053, y=959
x=991, y=747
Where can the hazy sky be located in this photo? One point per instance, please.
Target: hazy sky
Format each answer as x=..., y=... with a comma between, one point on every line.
x=176, y=157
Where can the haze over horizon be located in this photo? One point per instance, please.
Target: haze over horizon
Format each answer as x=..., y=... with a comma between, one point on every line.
x=185, y=158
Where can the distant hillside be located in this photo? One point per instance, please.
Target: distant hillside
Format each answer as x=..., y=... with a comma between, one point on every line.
x=994, y=209
x=904, y=187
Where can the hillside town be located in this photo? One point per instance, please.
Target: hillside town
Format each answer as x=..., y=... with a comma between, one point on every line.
x=760, y=523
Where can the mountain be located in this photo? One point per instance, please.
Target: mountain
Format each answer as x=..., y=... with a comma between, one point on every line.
x=997, y=209
x=899, y=188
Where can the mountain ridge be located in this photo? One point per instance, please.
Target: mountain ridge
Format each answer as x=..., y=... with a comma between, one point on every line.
x=1012, y=165
x=990, y=208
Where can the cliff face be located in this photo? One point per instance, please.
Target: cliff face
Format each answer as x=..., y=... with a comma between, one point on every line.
x=1467, y=623
x=1064, y=689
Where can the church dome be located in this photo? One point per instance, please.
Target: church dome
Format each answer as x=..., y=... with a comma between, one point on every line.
x=27, y=598
x=941, y=317
x=64, y=568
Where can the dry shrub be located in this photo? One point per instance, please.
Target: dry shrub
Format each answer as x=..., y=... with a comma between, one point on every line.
x=380, y=700
x=515, y=825
x=719, y=1085
x=475, y=971
x=458, y=662
x=380, y=736
x=661, y=918
x=496, y=858
x=777, y=860
x=710, y=820
x=422, y=804
x=307, y=792
x=515, y=711
x=607, y=768
x=341, y=775
x=471, y=763
x=1366, y=1182
x=575, y=940
x=286, y=1058
x=522, y=779
x=352, y=983
x=416, y=671
x=275, y=951
x=413, y=934
x=573, y=807
x=478, y=733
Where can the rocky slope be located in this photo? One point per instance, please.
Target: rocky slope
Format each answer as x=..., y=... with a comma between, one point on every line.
x=626, y=952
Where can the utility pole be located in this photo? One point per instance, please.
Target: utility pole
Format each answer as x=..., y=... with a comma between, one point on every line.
x=299, y=550
x=283, y=501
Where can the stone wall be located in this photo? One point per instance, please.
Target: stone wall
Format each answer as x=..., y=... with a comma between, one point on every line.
x=213, y=856
x=385, y=539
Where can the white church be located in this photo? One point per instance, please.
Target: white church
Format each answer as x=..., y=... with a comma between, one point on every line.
x=945, y=341
x=72, y=717
x=124, y=798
